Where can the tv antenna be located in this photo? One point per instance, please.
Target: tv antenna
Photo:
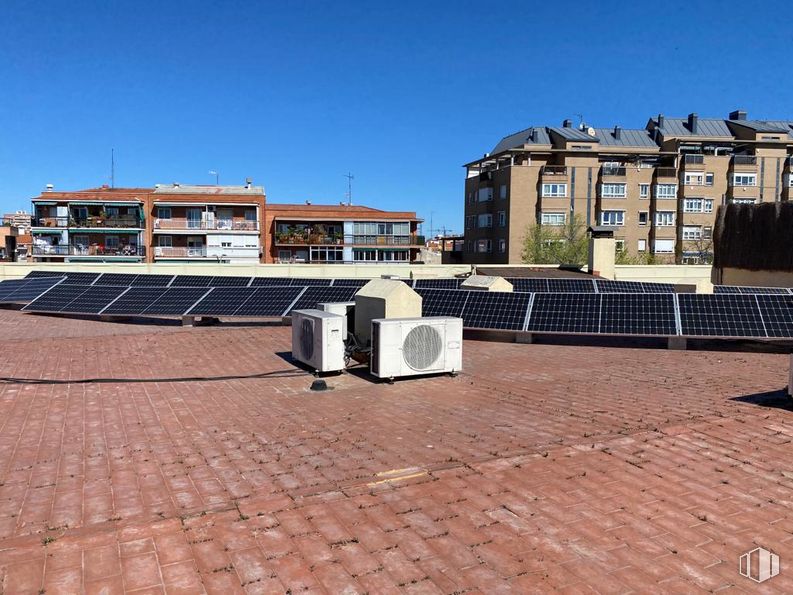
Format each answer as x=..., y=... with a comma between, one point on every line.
x=350, y=178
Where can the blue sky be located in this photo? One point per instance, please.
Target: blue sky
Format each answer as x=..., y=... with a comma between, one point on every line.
x=295, y=94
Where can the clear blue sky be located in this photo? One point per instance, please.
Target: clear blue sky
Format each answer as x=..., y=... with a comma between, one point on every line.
x=295, y=94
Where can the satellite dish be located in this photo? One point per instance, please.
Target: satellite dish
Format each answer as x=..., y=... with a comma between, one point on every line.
x=590, y=131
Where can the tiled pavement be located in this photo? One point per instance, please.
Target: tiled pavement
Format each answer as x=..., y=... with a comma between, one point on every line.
x=162, y=459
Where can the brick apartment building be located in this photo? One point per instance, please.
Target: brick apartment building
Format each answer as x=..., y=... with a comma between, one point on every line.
x=189, y=223
x=658, y=186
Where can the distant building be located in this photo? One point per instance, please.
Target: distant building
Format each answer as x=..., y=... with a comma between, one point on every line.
x=340, y=234
x=20, y=219
x=658, y=186
x=190, y=223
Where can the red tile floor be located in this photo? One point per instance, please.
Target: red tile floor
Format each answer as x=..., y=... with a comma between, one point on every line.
x=161, y=459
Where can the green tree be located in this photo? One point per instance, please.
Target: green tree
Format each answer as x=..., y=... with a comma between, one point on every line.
x=564, y=244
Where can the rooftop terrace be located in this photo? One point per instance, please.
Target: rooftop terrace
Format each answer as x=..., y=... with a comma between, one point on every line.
x=163, y=459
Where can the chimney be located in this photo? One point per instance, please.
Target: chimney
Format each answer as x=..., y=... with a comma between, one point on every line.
x=567, y=124
x=176, y=184
x=50, y=187
x=533, y=136
x=693, y=121
x=248, y=182
x=738, y=115
x=617, y=132
x=660, y=120
x=308, y=202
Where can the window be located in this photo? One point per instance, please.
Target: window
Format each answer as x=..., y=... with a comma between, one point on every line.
x=707, y=205
x=469, y=221
x=692, y=205
x=552, y=219
x=709, y=178
x=619, y=246
x=483, y=246
x=789, y=180
x=744, y=179
x=284, y=254
x=707, y=232
x=613, y=190
x=665, y=218
x=554, y=190
x=250, y=215
x=644, y=191
x=502, y=218
x=111, y=211
x=485, y=194
x=642, y=246
x=695, y=179
x=485, y=220
x=742, y=201
x=111, y=242
x=470, y=198
x=666, y=191
x=165, y=241
x=163, y=212
x=692, y=232
x=502, y=191
x=644, y=217
x=663, y=246
x=225, y=244
x=612, y=218
x=502, y=246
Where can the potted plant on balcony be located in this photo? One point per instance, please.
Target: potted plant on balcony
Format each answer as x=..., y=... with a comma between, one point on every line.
x=338, y=237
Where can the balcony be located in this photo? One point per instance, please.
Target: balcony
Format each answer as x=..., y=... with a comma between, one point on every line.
x=384, y=240
x=165, y=252
x=612, y=171
x=312, y=239
x=553, y=170
x=666, y=172
x=95, y=250
x=744, y=160
x=305, y=238
x=107, y=222
x=204, y=225
x=50, y=222
x=694, y=159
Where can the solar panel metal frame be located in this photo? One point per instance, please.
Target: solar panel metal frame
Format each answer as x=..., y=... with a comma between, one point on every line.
x=720, y=315
x=739, y=289
x=611, y=286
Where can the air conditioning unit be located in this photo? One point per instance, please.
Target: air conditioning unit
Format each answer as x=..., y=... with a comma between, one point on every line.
x=415, y=346
x=318, y=339
x=345, y=309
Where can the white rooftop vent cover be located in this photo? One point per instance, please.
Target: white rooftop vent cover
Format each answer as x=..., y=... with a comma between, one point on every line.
x=422, y=347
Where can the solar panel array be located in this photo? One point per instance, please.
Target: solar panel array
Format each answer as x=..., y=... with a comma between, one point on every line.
x=751, y=290
x=602, y=307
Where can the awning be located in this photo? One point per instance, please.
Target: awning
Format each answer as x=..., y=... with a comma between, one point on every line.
x=113, y=203
x=44, y=202
x=51, y=232
x=221, y=205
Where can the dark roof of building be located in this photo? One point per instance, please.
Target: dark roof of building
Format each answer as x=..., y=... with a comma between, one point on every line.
x=705, y=127
x=765, y=125
x=629, y=137
x=573, y=134
x=523, y=137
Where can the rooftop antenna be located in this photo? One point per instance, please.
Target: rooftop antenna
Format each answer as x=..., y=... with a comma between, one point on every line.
x=580, y=120
x=215, y=173
x=112, y=168
x=350, y=178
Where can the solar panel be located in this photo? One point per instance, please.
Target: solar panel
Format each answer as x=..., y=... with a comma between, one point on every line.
x=229, y=281
x=315, y=295
x=442, y=302
x=732, y=289
x=56, y=298
x=438, y=283
x=495, y=310
x=565, y=313
x=530, y=284
x=270, y=301
x=222, y=301
x=777, y=313
x=152, y=280
x=175, y=301
x=191, y=281
x=571, y=285
x=117, y=279
x=27, y=289
x=35, y=274
x=81, y=278
x=135, y=301
x=269, y=281
x=300, y=282
x=94, y=299
x=350, y=282
x=607, y=286
x=720, y=315
x=638, y=314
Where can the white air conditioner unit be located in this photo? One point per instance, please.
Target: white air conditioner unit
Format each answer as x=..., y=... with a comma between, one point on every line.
x=414, y=346
x=345, y=309
x=318, y=339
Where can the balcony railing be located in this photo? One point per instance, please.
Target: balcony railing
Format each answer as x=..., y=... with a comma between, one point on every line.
x=307, y=239
x=694, y=159
x=349, y=240
x=612, y=170
x=554, y=170
x=50, y=221
x=164, y=252
x=215, y=224
x=70, y=250
x=114, y=222
x=744, y=159
x=665, y=172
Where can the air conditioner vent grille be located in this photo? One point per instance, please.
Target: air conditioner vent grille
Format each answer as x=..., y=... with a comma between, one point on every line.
x=422, y=347
x=307, y=339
